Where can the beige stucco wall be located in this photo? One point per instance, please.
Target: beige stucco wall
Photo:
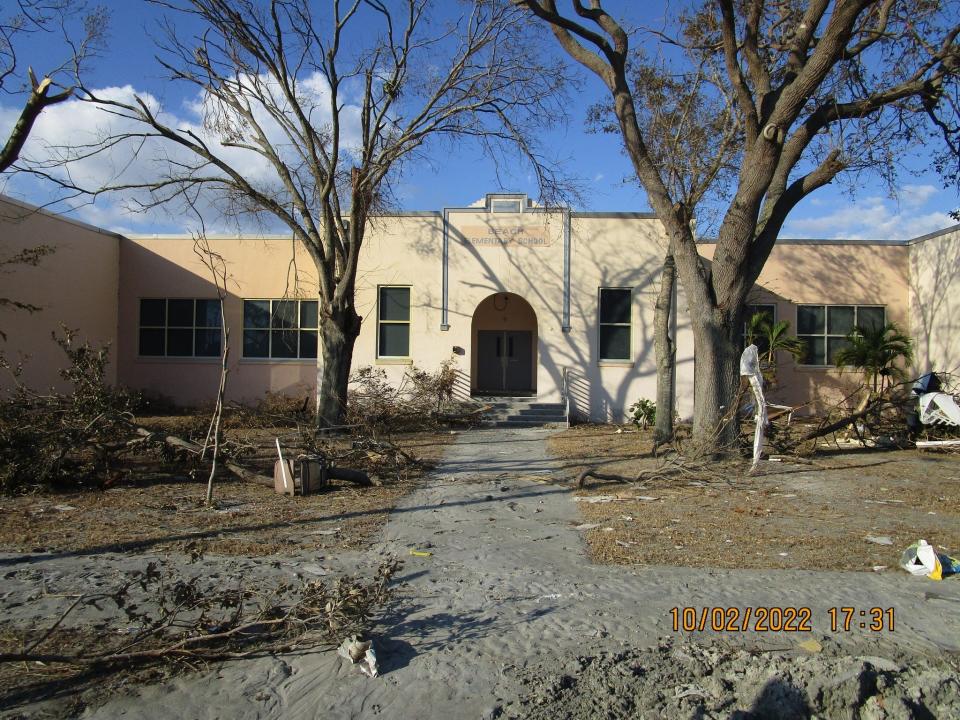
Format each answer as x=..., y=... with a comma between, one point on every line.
x=935, y=301
x=75, y=286
x=828, y=273
x=606, y=251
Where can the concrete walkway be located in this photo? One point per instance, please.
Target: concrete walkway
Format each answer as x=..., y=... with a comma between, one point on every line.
x=508, y=581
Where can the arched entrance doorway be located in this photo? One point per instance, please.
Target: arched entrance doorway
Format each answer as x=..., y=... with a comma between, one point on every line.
x=504, y=346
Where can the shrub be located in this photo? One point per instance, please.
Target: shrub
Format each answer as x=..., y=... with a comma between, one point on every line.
x=62, y=438
x=643, y=413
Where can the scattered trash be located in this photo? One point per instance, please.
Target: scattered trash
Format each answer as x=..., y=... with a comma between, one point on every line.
x=608, y=529
x=332, y=531
x=314, y=569
x=420, y=553
x=783, y=554
x=587, y=526
x=883, y=502
x=879, y=568
x=361, y=653
x=627, y=518
x=646, y=498
x=63, y=508
x=682, y=691
x=811, y=646
x=921, y=559
x=626, y=544
x=593, y=499
x=879, y=539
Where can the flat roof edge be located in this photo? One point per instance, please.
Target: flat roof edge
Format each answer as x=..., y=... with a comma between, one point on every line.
x=934, y=234
x=30, y=207
x=626, y=215
x=823, y=241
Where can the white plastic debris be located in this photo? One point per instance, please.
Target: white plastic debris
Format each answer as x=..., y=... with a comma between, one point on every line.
x=750, y=369
x=360, y=653
x=879, y=539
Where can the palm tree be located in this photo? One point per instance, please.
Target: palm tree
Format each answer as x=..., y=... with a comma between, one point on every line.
x=770, y=338
x=875, y=351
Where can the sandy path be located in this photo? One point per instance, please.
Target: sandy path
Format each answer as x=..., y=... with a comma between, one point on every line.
x=508, y=582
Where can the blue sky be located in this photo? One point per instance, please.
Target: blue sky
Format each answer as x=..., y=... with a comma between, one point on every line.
x=460, y=175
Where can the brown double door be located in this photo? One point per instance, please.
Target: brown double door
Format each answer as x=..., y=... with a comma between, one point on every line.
x=504, y=361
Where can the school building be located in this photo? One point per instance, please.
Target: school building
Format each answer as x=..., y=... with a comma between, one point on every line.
x=546, y=302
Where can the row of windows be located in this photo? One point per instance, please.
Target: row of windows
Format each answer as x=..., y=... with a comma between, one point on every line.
x=287, y=329
x=281, y=329
x=824, y=328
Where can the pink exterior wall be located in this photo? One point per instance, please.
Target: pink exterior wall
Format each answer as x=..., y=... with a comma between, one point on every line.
x=168, y=267
x=829, y=273
x=75, y=286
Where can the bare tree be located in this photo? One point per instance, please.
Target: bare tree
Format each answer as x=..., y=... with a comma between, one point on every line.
x=333, y=102
x=31, y=17
x=819, y=88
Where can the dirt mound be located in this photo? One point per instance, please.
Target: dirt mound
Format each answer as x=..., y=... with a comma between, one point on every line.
x=687, y=680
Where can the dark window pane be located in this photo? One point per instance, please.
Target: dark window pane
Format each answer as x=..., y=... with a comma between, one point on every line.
x=208, y=313
x=839, y=320
x=815, y=350
x=308, y=343
x=256, y=314
x=833, y=345
x=151, y=342
x=395, y=303
x=180, y=313
x=256, y=343
x=308, y=313
x=870, y=318
x=394, y=340
x=285, y=314
x=810, y=319
x=284, y=344
x=614, y=306
x=207, y=343
x=614, y=342
x=153, y=312
x=180, y=342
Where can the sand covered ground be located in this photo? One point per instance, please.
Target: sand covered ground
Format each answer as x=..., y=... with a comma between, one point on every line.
x=507, y=616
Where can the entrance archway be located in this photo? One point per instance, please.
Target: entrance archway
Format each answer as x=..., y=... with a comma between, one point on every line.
x=503, y=358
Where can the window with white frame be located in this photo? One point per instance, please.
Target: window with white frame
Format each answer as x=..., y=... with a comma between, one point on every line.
x=180, y=327
x=280, y=329
x=393, y=321
x=614, y=316
x=824, y=328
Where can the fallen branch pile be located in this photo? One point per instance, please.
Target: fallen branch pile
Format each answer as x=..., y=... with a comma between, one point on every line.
x=186, y=622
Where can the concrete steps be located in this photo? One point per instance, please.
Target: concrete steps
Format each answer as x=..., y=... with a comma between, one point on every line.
x=522, y=412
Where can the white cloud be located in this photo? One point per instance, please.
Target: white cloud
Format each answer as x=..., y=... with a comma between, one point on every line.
x=916, y=195
x=872, y=218
x=73, y=124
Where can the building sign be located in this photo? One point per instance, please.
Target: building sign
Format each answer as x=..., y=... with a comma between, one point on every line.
x=525, y=235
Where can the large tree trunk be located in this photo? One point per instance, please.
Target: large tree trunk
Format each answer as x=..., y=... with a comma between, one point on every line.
x=716, y=379
x=338, y=334
x=665, y=352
